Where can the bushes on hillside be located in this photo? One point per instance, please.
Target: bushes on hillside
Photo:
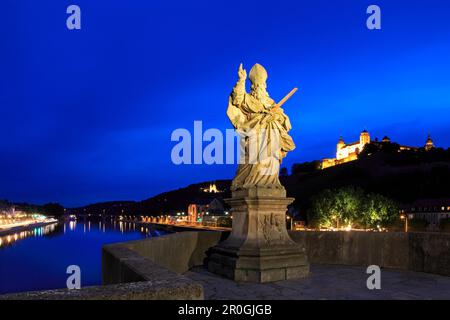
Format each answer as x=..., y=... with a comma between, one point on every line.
x=305, y=167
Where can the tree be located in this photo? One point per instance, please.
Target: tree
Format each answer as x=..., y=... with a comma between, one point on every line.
x=4, y=204
x=378, y=211
x=53, y=209
x=350, y=206
x=375, y=147
x=369, y=149
x=350, y=201
x=326, y=211
x=305, y=167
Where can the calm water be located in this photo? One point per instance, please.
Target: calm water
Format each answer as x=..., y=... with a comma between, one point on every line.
x=38, y=259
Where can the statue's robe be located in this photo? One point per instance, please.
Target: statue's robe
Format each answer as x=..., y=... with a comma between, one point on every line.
x=259, y=164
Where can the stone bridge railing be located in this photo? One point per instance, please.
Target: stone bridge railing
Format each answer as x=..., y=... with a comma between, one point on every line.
x=172, y=254
x=153, y=268
x=415, y=251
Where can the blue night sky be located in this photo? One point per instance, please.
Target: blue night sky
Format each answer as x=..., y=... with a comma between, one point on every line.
x=87, y=115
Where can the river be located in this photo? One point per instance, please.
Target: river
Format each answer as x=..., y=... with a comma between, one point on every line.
x=38, y=259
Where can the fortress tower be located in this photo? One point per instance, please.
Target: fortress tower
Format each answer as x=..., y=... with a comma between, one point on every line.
x=340, y=144
x=348, y=152
x=429, y=144
x=364, y=138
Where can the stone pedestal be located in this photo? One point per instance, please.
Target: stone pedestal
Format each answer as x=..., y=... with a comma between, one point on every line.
x=259, y=248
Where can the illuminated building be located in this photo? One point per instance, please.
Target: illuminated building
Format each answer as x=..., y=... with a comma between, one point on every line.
x=193, y=212
x=346, y=152
x=203, y=209
x=429, y=144
x=433, y=211
x=211, y=189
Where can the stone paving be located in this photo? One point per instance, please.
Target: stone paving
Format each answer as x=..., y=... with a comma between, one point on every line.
x=328, y=282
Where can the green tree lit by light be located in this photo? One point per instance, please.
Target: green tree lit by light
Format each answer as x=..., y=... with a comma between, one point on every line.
x=350, y=206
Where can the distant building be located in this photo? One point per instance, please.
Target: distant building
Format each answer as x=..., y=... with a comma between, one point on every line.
x=346, y=152
x=211, y=189
x=194, y=211
x=203, y=209
x=6, y=210
x=432, y=211
x=429, y=144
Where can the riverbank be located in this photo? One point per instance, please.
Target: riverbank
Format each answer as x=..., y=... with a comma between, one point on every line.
x=180, y=227
x=28, y=227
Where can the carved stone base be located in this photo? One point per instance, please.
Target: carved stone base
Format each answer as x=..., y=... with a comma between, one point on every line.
x=259, y=248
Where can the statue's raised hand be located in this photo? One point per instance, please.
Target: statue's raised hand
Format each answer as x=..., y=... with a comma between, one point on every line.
x=242, y=73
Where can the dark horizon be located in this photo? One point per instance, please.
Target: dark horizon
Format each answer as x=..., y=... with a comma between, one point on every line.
x=88, y=114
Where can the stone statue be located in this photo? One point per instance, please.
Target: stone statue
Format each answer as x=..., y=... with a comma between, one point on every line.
x=264, y=129
x=259, y=248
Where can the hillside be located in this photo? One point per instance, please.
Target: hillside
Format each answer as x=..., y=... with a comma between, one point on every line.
x=401, y=176
x=404, y=177
x=163, y=203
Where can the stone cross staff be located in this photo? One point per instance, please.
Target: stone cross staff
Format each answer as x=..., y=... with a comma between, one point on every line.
x=286, y=98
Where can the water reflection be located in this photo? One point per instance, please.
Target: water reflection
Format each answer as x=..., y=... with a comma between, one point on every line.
x=10, y=239
x=71, y=226
x=38, y=258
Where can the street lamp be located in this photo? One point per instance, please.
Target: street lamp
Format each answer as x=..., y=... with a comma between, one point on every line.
x=404, y=217
x=291, y=220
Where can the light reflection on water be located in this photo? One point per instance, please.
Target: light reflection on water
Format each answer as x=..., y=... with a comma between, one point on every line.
x=37, y=259
x=35, y=232
x=71, y=225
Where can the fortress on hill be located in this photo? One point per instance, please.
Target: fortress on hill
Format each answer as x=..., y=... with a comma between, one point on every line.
x=346, y=152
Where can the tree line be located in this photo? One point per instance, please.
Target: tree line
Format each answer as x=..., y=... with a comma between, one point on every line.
x=352, y=207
